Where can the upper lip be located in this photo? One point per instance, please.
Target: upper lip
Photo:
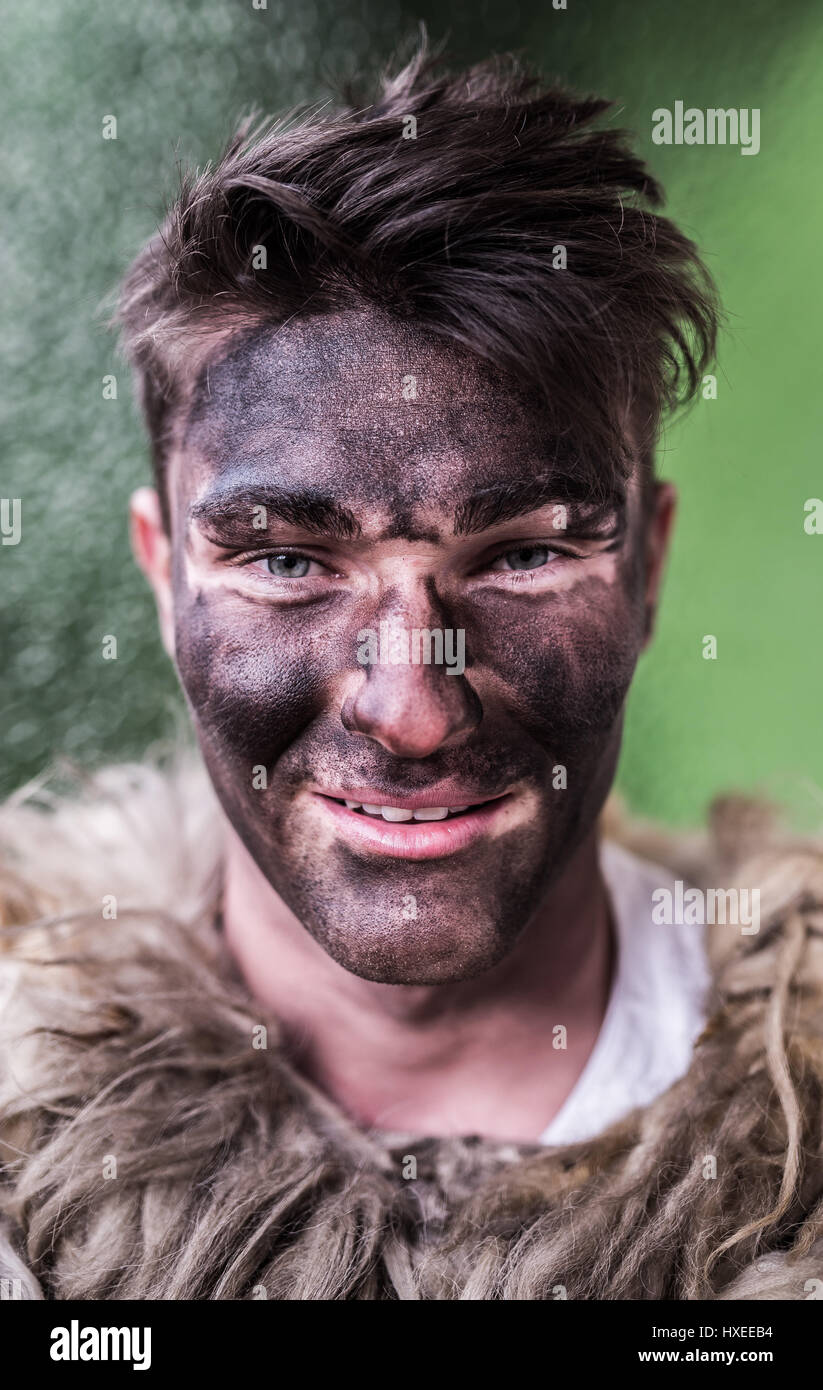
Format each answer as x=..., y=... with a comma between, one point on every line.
x=447, y=794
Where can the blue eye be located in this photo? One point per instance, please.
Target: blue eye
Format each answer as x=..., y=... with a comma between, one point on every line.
x=527, y=557
x=288, y=566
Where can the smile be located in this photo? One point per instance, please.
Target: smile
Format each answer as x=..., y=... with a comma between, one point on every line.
x=413, y=831
x=396, y=814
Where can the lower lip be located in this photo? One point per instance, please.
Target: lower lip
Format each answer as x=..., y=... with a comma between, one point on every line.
x=415, y=839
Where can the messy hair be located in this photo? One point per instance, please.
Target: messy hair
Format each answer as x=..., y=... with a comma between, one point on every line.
x=450, y=201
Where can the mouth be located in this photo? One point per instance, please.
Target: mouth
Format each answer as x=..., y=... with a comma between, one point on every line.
x=413, y=828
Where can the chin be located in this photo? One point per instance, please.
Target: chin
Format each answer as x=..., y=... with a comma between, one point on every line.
x=408, y=952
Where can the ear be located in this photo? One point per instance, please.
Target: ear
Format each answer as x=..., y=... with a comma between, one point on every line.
x=659, y=525
x=152, y=551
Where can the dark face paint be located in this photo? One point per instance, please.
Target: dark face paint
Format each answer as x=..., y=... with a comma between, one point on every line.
x=327, y=404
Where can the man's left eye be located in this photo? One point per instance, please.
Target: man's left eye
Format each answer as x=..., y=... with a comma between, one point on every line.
x=289, y=566
x=525, y=557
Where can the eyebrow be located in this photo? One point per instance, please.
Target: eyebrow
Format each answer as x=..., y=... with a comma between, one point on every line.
x=230, y=509
x=506, y=501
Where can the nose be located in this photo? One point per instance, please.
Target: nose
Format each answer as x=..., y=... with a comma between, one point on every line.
x=412, y=706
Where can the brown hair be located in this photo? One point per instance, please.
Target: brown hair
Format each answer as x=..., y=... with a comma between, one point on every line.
x=456, y=229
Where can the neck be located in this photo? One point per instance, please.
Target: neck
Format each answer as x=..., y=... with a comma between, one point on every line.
x=496, y=1055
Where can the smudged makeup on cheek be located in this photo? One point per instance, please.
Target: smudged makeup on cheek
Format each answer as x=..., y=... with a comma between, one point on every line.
x=263, y=680
x=567, y=667
x=252, y=691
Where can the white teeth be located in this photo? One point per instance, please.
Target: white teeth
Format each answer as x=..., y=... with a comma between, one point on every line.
x=398, y=813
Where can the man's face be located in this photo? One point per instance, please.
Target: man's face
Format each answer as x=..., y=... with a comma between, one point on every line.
x=347, y=476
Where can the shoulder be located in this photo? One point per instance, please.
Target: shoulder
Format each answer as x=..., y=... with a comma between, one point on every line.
x=744, y=863
x=107, y=883
x=132, y=835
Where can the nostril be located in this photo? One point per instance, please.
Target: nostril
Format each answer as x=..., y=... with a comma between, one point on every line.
x=348, y=717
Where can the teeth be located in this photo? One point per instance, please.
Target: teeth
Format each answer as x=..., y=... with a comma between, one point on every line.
x=398, y=813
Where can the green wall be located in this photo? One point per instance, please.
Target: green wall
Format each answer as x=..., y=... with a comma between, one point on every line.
x=743, y=568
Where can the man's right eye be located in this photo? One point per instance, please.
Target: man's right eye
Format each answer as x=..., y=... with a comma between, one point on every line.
x=286, y=565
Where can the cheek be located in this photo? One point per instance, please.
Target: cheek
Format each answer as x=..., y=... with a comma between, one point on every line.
x=565, y=664
x=253, y=685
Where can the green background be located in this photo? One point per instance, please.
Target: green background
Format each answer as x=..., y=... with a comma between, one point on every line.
x=176, y=76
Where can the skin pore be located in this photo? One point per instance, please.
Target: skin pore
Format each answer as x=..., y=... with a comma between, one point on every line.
x=347, y=471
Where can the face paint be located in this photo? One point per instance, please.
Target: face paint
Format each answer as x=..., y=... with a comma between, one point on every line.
x=352, y=444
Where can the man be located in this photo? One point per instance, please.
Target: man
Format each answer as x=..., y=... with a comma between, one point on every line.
x=395, y=1021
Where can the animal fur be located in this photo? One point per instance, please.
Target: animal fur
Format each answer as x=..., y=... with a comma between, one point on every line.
x=131, y=1039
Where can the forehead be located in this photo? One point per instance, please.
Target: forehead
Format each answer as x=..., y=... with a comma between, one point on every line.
x=363, y=408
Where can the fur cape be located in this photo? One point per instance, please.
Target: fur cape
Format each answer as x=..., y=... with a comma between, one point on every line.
x=151, y=1151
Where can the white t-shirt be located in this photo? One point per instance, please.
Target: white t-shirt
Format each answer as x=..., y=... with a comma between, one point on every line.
x=655, y=1011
